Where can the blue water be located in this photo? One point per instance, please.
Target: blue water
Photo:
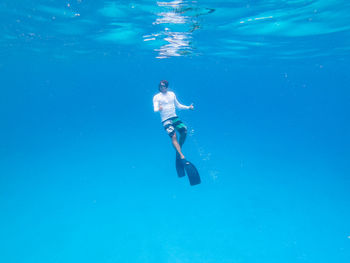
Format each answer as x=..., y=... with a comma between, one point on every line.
x=87, y=173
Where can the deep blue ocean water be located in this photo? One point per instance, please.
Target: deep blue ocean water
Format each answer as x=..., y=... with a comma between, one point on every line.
x=87, y=173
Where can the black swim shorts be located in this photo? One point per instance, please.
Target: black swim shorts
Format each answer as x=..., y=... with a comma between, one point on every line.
x=174, y=124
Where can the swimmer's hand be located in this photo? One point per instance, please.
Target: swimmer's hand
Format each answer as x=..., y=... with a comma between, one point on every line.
x=160, y=108
x=191, y=107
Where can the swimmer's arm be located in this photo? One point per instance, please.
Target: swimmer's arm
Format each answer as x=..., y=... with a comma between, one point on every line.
x=180, y=106
x=156, y=105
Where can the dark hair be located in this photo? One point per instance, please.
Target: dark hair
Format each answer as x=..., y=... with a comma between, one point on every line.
x=163, y=83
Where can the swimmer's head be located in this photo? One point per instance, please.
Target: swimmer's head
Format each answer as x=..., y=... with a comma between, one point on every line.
x=163, y=86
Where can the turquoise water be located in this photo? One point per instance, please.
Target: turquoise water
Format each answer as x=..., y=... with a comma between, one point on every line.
x=87, y=173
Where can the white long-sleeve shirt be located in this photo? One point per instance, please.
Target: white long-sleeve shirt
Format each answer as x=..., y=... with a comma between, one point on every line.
x=168, y=102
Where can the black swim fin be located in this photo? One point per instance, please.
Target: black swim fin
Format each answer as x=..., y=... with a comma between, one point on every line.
x=180, y=169
x=192, y=172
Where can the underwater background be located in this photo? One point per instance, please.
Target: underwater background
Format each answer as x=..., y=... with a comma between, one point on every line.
x=87, y=172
